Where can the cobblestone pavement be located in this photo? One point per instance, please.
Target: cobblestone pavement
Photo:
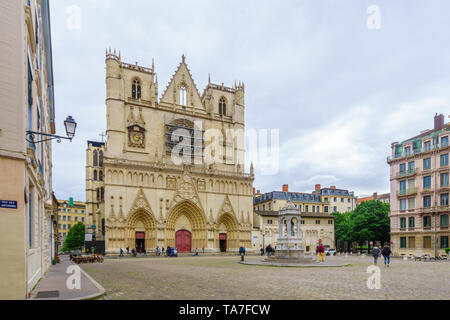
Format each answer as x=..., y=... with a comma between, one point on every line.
x=222, y=277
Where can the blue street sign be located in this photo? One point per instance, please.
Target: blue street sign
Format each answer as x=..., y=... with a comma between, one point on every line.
x=8, y=204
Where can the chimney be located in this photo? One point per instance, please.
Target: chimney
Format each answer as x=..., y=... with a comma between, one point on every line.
x=333, y=187
x=317, y=188
x=438, y=121
x=285, y=188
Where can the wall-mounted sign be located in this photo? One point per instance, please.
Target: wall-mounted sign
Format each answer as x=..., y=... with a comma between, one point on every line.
x=8, y=204
x=255, y=240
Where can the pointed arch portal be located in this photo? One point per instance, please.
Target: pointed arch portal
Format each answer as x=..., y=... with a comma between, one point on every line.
x=141, y=230
x=196, y=221
x=227, y=232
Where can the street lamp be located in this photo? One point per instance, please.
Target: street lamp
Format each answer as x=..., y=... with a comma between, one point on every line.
x=69, y=124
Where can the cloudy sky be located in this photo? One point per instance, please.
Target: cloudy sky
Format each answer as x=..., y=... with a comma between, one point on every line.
x=338, y=91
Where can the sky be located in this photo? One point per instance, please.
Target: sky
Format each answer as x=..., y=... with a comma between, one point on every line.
x=339, y=80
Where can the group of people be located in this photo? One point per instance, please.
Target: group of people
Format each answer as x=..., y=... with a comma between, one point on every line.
x=134, y=252
x=241, y=251
x=269, y=250
x=169, y=252
x=385, y=252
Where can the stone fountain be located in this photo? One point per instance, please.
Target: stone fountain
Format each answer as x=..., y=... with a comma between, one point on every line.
x=289, y=248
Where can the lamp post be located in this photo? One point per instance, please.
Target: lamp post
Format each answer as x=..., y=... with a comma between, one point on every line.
x=69, y=124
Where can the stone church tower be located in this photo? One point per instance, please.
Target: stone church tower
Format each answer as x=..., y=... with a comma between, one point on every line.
x=152, y=198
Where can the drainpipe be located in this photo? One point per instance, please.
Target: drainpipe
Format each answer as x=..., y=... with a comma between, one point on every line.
x=435, y=235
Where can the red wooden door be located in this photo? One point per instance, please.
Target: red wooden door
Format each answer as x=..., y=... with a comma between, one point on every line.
x=183, y=241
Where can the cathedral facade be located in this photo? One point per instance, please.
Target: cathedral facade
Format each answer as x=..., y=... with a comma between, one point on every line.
x=171, y=172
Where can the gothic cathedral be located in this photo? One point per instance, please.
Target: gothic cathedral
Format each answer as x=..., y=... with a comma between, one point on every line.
x=139, y=195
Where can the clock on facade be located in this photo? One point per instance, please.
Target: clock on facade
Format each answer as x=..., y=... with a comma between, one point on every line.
x=136, y=136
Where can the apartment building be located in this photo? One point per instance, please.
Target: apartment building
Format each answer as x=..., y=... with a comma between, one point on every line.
x=69, y=213
x=27, y=111
x=419, y=178
x=338, y=200
x=385, y=198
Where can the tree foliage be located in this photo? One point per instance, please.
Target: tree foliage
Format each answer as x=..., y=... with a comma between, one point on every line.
x=368, y=222
x=75, y=237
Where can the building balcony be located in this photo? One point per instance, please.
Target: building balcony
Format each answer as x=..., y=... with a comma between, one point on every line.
x=427, y=190
x=417, y=151
x=444, y=187
x=407, y=192
x=409, y=173
x=443, y=208
x=428, y=209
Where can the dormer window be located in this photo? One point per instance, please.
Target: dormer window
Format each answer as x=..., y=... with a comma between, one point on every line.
x=222, y=106
x=183, y=95
x=136, y=89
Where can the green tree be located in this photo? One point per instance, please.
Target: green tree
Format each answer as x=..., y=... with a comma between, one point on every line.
x=75, y=237
x=343, y=228
x=370, y=221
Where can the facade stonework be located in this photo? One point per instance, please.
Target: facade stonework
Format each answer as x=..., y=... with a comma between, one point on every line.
x=147, y=198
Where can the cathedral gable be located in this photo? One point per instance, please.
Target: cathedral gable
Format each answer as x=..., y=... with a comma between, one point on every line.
x=182, y=90
x=226, y=207
x=141, y=202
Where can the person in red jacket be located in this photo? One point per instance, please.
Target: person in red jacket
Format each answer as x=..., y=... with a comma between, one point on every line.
x=321, y=250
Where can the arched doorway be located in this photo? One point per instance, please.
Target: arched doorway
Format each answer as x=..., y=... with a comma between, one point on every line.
x=140, y=241
x=141, y=230
x=223, y=242
x=227, y=233
x=183, y=240
x=188, y=217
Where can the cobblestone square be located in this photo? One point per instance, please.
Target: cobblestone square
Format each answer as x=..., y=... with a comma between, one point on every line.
x=222, y=277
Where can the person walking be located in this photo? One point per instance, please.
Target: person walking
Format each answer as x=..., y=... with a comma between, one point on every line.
x=162, y=251
x=159, y=251
x=376, y=253
x=386, y=252
x=128, y=251
x=261, y=251
x=321, y=250
x=243, y=250
x=240, y=250
x=121, y=252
